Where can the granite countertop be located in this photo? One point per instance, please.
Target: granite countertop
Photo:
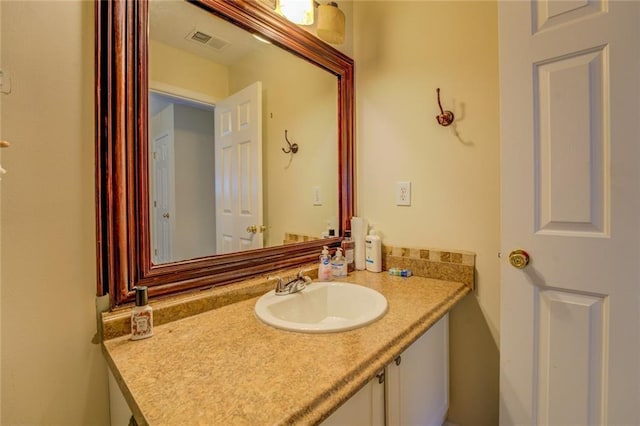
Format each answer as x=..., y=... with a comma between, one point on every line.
x=225, y=366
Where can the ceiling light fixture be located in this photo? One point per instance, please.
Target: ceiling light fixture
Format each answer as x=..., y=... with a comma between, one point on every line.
x=260, y=38
x=331, y=20
x=297, y=11
x=331, y=23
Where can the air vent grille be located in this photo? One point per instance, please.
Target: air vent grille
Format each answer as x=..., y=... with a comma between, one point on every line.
x=207, y=39
x=200, y=37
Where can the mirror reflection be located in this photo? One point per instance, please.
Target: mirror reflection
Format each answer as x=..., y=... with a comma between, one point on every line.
x=220, y=102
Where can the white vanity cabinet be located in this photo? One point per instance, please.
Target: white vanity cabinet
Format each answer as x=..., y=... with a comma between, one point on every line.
x=365, y=408
x=415, y=390
x=418, y=388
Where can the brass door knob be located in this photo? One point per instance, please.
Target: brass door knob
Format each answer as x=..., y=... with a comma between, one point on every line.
x=254, y=229
x=519, y=259
x=166, y=215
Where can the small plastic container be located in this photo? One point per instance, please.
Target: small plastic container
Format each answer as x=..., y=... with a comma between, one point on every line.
x=348, y=248
x=141, y=316
x=398, y=272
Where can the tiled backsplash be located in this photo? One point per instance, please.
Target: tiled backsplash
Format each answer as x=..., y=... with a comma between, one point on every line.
x=290, y=238
x=429, y=263
x=432, y=263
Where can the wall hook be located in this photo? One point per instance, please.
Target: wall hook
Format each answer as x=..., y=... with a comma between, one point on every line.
x=445, y=117
x=293, y=147
x=3, y=144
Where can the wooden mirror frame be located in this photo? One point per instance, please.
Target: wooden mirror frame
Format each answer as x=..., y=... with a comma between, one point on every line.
x=122, y=187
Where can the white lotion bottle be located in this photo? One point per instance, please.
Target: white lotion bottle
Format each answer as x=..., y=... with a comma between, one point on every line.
x=324, y=268
x=373, y=252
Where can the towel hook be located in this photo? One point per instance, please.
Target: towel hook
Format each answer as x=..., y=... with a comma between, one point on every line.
x=445, y=117
x=3, y=144
x=293, y=147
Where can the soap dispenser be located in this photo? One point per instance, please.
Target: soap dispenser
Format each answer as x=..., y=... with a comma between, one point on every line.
x=324, y=268
x=338, y=265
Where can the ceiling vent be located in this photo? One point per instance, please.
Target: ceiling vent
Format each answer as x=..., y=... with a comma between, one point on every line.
x=207, y=40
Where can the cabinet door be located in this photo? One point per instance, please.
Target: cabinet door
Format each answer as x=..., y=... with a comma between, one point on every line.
x=418, y=387
x=365, y=408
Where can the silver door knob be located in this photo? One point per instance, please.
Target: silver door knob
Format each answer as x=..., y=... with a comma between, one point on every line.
x=519, y=259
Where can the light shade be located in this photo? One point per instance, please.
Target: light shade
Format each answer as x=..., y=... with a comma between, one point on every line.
x=297, y=11
x=330, y=23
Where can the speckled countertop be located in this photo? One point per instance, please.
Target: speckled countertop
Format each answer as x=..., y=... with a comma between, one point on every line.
x=225, y=367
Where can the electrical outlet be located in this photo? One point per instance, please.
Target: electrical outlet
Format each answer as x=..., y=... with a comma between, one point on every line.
x=403, y=194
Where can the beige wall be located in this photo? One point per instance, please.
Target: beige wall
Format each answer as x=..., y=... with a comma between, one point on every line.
x=0, y=230
x=403, y=52
x=182, y=73
x=51, y=372
x=303, y=99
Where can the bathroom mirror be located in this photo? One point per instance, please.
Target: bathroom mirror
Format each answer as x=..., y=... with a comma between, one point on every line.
x=201, y=68
x=122, y=152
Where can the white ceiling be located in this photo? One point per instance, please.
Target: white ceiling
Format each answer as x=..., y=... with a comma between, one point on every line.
x=173, y=21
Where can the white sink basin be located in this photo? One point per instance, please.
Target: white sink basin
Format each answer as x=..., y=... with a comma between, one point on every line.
x=322, y=307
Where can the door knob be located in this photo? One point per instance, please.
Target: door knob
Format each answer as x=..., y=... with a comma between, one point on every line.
x=519, y=259
x=166, y=215
x=253, y=229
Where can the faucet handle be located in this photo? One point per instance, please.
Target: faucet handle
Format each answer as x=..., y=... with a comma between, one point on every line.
x=280, y=285
x=304, y=277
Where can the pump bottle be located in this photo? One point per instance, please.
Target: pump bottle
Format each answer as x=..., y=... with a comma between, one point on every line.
x=338, y=265
x=324, y=268
x=373, y=252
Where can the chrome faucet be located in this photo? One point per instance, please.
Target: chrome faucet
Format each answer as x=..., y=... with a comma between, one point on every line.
x=293, y=286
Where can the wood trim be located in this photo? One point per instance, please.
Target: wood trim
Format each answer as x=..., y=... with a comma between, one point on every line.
x=123, y=234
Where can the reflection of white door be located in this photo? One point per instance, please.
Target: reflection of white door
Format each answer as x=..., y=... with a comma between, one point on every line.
x=570, y=328
x=162, y=183
x=238, y=157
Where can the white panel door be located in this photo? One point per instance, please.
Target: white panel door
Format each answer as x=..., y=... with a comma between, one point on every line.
x=162, y=181
x=238, y=152
x=570, y=324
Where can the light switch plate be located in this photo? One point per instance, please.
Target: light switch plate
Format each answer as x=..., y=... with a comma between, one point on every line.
x=317, y=199
x=403, y=193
